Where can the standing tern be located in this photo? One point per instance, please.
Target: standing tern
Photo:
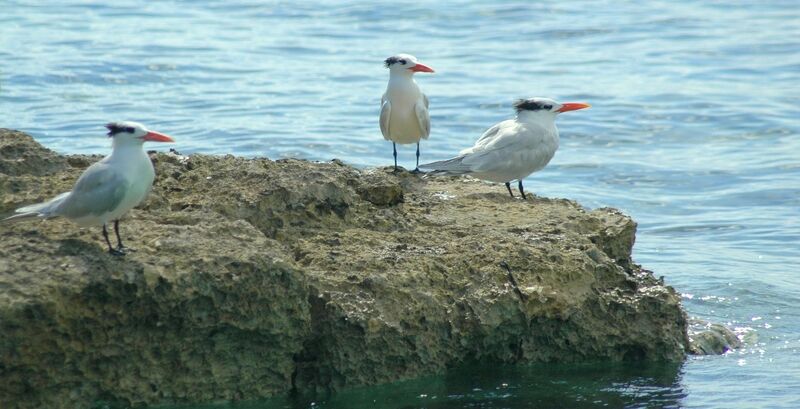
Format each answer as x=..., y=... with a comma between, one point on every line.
x=404, y=108
x=109, y=188
x=512, y=149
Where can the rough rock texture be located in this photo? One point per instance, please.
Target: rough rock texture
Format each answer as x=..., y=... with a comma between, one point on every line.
x=256, y=277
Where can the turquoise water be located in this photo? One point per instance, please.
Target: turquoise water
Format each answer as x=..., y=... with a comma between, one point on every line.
x=695, y=132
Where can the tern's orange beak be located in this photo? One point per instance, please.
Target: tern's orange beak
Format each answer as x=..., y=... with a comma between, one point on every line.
x=420, y=67
x=572, y=106
x=154, y=136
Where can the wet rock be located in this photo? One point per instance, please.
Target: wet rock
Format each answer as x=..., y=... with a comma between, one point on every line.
x=257, y=277
x=707, y=338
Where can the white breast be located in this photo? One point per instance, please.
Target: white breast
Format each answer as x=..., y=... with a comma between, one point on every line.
x=404, y=125
x=140, y=175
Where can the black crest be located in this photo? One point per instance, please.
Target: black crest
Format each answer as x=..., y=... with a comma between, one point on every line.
x=393, y=60
x=531, y=105
x=115, y=128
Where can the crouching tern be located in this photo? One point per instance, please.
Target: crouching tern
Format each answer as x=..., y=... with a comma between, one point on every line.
x=109, y=188
x=404, y=108
x=512, y=149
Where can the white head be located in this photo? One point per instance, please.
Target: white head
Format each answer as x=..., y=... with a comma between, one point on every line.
x=545, y=107
x=128, y=132
x=405, y=64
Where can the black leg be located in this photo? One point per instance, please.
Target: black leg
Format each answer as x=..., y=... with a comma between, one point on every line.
x=508, y=186
x=105, y=235
x=111, y=250
x=394, y=151
x=121, y=247
x=417, y=168
x=521, y=190
x=116, y=230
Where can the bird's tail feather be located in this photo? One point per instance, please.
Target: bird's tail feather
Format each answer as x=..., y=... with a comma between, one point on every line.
x=21, y=217
x=43, y=210
x=446, y=173
x=454, y=166
x=34, y=208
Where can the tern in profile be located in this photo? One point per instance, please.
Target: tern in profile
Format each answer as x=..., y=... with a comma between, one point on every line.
x=109, y=188
x=513, y=149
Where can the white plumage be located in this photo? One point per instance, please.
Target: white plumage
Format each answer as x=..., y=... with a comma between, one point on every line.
x=512, y=149
x=108, y=189
x=404, y=115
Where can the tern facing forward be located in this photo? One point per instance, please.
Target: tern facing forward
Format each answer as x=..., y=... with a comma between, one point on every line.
x=512, y=149
x=404, y=108
x=109, y=188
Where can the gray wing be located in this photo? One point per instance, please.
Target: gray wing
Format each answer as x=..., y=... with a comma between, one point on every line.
x=489, y=134
x=386, y=112
x=423, y=117
x=487, y=137
x=99, y=190
x=493, y=150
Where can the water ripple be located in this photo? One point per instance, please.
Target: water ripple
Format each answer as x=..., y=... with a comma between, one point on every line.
x=694, y=129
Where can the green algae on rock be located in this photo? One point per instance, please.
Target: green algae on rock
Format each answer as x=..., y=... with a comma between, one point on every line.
x=256, y=277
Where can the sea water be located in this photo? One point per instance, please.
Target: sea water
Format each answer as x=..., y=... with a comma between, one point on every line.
x=694, y=131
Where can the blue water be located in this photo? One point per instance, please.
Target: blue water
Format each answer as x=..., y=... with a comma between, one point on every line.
x=695, y=132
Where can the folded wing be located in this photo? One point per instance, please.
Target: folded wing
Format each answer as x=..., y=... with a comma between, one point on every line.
x=386, y=112
x=424, y=119
x=99, y=190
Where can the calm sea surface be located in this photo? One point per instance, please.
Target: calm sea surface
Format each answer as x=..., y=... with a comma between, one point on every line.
x=695, y=132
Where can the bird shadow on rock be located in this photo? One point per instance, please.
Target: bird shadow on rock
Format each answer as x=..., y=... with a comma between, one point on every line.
x=98, y=262
x=79, y=248
x=106, y=281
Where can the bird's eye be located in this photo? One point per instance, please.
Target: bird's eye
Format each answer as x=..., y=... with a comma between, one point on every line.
x=403, y=62
x=548, y=107
x=130, y=130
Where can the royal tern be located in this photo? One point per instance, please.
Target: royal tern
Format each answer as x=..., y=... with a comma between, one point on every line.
x=512, y=149
x=109, y=188
x=404, y=108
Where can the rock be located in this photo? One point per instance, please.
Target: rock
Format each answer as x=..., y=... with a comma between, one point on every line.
x=21, y=155
x=706, y=338
x=255, y=278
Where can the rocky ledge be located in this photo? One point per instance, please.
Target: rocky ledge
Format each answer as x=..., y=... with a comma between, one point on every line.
x=256, y=277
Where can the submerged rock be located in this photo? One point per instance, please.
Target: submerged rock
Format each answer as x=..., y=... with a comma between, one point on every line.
x=256, y=277
x=707, y=338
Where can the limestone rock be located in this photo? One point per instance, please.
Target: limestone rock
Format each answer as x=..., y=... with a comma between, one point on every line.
x=256, y=277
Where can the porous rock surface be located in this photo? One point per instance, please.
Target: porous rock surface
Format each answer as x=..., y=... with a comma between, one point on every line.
x=256, y=277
